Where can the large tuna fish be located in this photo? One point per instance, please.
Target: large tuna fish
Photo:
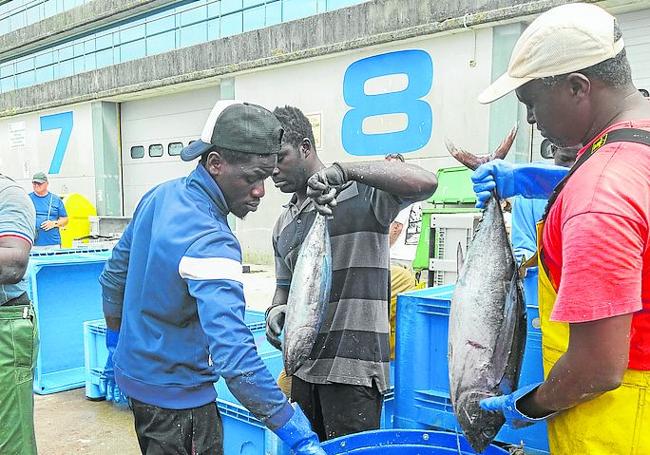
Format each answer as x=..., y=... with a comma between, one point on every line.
x=308, y=295
x=487, y=323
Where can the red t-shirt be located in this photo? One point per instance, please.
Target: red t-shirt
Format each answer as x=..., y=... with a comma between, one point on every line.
x=596, y=241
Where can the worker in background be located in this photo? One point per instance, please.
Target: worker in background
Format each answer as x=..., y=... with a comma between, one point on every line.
x=18, y=332
x=403, y=235
x=50, y=212
x=341, y=385
x=174, y=300
x=594, y=240
x=527, y=212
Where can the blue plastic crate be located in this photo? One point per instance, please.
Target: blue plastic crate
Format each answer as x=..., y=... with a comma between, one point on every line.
x=65, y=292
x=271, y=357
x=421, y=373
x=243, y=434
x=38, y=252
x=388, y=410
x=532, y=367
x=96, y=354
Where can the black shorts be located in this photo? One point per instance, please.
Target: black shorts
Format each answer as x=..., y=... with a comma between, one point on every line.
x=196, y=431
x=336, y=410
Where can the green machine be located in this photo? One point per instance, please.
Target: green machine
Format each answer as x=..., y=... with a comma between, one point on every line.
x=453, y=196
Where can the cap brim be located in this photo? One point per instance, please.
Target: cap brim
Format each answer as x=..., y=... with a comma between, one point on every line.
x=501, y=87
x=195, y=149
x=38, y=181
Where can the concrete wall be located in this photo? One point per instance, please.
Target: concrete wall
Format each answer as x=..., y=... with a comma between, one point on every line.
x=372, y=23
x=74, y=22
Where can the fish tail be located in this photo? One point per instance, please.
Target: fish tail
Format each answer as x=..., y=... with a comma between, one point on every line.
x=473, y=161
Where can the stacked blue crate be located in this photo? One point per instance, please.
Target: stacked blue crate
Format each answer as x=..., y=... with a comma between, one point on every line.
x=421, y=373
x=64, y=290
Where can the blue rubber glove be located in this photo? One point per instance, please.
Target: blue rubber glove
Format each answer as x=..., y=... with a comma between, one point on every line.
x=532, y=181
x=507, y=405
x=109, y=388
x=297, y=434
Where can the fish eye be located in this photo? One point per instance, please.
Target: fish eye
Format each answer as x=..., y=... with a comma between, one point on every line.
x=489, y=432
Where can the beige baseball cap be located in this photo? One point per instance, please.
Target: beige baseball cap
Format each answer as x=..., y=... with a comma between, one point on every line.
x=561, y=40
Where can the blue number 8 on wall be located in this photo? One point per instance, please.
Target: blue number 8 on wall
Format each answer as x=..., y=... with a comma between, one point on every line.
x=418, y=68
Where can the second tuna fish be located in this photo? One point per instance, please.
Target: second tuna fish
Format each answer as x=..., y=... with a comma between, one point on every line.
x=308, y=295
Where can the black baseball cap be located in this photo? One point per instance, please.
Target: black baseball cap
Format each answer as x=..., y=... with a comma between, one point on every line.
x=240, y=127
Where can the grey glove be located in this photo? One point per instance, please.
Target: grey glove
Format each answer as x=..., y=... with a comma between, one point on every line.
x=274, y=325
x=324, y=185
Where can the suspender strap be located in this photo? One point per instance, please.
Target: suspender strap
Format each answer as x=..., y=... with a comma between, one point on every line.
x=621, y=135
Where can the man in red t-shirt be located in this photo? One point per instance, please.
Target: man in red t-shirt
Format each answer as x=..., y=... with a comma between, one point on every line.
x=570, y=70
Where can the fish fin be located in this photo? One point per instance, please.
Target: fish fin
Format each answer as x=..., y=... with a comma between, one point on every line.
x=473, y=161
x=503, y=148
x=464, y=157
x=460, y=258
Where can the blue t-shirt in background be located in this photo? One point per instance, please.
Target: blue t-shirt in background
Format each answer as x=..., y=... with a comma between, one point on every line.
x=49, y=207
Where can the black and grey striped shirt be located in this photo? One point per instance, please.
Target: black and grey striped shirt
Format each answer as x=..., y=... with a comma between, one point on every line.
x=352, y=347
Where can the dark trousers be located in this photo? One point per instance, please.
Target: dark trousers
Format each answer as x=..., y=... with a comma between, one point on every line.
x=338, y=409
x=196, y=431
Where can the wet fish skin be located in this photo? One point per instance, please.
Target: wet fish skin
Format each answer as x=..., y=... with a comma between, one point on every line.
x=487, y=328
x=308, y=295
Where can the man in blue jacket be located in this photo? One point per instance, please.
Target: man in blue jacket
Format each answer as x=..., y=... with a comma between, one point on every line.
x=174, y=301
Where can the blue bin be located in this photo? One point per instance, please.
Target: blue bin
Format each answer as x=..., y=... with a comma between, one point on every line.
x=421, y=373
x=64, y=290
x=404, y=442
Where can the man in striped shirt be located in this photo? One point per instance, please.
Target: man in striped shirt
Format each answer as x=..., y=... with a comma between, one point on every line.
x=340, y=386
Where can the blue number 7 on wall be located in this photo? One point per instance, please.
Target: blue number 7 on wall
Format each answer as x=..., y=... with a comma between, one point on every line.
x=64, y=122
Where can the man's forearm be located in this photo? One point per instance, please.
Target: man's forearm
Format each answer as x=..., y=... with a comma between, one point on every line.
x=566, y=387
x=594, y=363
x=281, y=296
x=400, y=179
x=113, y=323
x=62, y=222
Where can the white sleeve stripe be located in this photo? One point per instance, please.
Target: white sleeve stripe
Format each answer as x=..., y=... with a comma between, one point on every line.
x=210, y=269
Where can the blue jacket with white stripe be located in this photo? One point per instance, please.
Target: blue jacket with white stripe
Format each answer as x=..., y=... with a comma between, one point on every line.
x=174, y=279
